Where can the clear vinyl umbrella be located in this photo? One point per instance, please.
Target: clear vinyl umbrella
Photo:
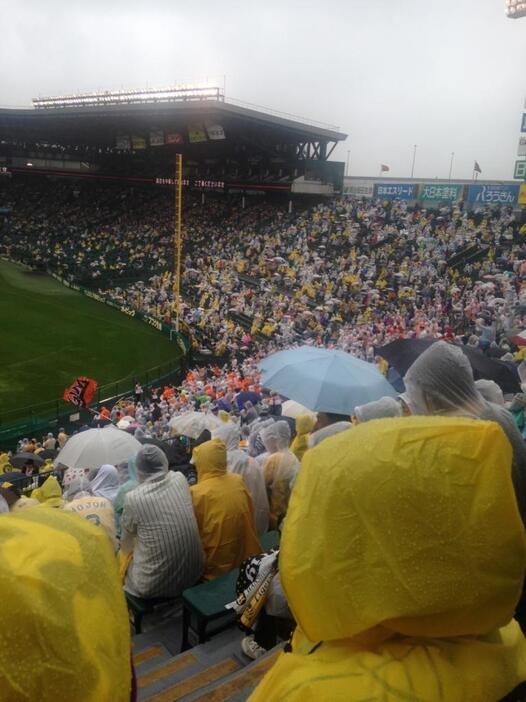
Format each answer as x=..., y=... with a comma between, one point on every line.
x=324, y=380
x=192, y=424
x=95, y=447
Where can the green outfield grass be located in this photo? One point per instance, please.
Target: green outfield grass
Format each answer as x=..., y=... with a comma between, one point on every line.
x=49, y=335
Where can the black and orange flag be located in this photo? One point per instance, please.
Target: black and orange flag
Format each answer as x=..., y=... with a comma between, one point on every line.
x=81, y=392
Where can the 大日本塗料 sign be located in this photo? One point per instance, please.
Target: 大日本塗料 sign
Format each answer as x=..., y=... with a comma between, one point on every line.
x=395, y=191
x=440, y=192
x=493, y=194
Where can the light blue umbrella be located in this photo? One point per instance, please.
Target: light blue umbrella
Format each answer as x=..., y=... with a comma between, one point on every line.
x=324, y=380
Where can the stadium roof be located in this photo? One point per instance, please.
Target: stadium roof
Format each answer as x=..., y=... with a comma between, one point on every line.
x=101, y=124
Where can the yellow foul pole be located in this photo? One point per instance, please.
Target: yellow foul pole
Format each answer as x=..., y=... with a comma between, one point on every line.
x=178, y=236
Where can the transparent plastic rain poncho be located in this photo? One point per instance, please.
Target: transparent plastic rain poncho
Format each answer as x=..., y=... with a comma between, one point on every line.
x=441, y=382
x=280, y=469
x=490, y=391
x=384, y=407
x=238, y=461
x=151, y=463
x=255, y=444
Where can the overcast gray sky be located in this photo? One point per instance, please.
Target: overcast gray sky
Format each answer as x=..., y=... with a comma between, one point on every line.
x=448, y=75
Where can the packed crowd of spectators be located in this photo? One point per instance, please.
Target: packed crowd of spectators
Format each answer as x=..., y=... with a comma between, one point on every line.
x=400, y=570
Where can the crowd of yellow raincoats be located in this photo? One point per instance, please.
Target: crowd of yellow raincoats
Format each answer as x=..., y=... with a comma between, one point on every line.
x=402, y=558
x=223, y=510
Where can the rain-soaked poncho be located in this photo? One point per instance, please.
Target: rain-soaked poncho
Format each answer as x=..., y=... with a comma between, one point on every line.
x=441, y=382
x=50, y=493
x=65, y=632
x=279, y=470
x=238, y=461
x=402, y=558
x=224, y=512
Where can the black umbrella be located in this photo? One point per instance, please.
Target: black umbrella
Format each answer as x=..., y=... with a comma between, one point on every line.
x=48, y=453
x=19, y=460
x=402, y=353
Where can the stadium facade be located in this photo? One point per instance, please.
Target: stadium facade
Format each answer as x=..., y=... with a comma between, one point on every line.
x=226, y=146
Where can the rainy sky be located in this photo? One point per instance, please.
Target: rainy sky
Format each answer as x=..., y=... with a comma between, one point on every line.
x=447, y=75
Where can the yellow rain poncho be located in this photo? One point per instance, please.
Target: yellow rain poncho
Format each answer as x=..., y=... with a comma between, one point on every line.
x=65, y=633
x=50, y=493
x=5, y=466
x=223, y=510
x=304, y=425
x=402, y=558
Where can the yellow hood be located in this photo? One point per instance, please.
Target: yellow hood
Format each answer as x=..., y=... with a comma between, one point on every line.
x=50, y=493
x=210, y=459
x=305, y=424
x=402, y=558
x=70, y=626
x=392, y=538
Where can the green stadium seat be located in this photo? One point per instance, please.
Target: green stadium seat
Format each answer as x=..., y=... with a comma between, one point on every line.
x=139, y=607
x=205, y=603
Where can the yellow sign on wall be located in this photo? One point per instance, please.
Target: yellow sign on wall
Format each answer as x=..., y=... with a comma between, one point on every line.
x=522, y=195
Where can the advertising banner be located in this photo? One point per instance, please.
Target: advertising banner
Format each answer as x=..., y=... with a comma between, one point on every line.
x=521, y=150
x=358, y=188
x=174, y=138
x=215, y=132
x=138, y=142
x=493, y=194
x=395, y=191
x=122, y=142
x=196, y=133
x=522, y=195
x=156, y=137
x=440, y=192
x=519, y=172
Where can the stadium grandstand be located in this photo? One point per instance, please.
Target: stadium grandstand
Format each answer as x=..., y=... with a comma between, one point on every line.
x=226, y=145
x=291, y=468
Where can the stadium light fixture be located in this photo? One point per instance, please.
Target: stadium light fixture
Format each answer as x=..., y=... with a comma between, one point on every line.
x=184, y=93
x=516, y=8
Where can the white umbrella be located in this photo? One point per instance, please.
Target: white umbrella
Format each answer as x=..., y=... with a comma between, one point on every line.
x=94, y=447
x=293, y=409
x=192, y=424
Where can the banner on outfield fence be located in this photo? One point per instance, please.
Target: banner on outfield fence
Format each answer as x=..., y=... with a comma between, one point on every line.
x=519, y=173
x=522, y=195
x=395, y=191
x=521, y=150
x=493, y=194
x=359, y=188
x=440, y=192
x=156, y=137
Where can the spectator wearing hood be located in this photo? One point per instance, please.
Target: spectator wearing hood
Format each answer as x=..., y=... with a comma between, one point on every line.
x=160, y=531
x=441, y=382
x=280, y=469
x=379, y=409
x=418, y=604
x=239, y=462
x=105, y=482
x=224, y=511
x=94, y=508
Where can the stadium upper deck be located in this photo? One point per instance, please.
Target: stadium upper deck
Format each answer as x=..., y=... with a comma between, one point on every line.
x=235, y=145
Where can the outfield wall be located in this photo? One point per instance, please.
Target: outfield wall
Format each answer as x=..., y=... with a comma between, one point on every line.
x=432, y=192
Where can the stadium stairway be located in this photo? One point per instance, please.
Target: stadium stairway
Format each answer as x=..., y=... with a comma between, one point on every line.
x=216, y=671
x=469, y=254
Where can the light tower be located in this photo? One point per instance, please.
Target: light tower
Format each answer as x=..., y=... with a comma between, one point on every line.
x=516, y=8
